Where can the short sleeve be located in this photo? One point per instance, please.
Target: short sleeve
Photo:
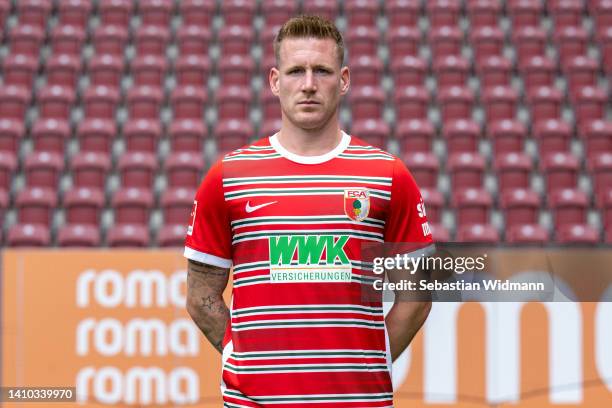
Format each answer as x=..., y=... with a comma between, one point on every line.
x=407, y=218
x=209, y=237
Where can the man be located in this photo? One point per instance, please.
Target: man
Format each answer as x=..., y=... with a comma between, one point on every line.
x=290, y=213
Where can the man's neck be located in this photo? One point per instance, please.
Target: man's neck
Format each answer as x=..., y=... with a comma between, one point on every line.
x=305, y=142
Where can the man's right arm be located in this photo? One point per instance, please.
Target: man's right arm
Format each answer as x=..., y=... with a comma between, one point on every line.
x=205, y=304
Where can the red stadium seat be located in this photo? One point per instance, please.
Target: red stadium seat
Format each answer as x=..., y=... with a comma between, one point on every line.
x=483, y=13
x=101, y=102
x=366, y=71
x=43, y=169
x=128, y=236
x=89, y=169
x=477, y=233
x=26, y=39
x=500, y=102
x=19, y=69
x=4, y=205
x=362, y=40
x=149, y=70
x=142, y=135
x=144, y=102
x=361, y=13
x=375, y=132
x=494, y=71
x=137, y=169
x=600, y=167
x=74, y=12
x=83, y=205
x=424, y=168
x=197, y=12
x=525, y=13
x=560, y=170
x=63, y=70
x=403, y=41
x=115, y=12
x=192, y=70
x=521, y=206
x=5, y=8
x=578, y=234
x=35, y=205
x=188, y=102
x=176, y=204
x=265, y=66
x=527, y=234
x=270, y=104
x=487, y=42
x=571, y=42
x=324, y=8
x=67, y=39
x=267, y=35
x=50, y=135
x=13, y=102
x=152, y=40
x=445, y=41
x=277, y=12
x=589, y=104
x=462, y=135
x=411, y=102
x=236, y=39
x=28, y=235
x=440, y=233
x=403, y=13
x=110, y=39
x=105, y=70
x=184, y=169
x=367, y=102
x=456, y=103
x=233, y=102
x=270, y=127
x=507, y=136
x=538, y=72
x=55, y=101
x=78, y=235
x=581, y=71
x=415, y=135
x=11, y=134
x=466, y=170
x=238, y=12
x=132, y=206
x=529, y=42
x=569, y=206
x=232, y=134
x=443, y=12
x=553, y=135
x=601, y=10
x=408, y=71
x=96, y=135
x=193, y=40
x=567, y=13
x=187, y=135
x=434, y=202
x=452, y=70
x=545, y=103
x=604, y=38
x=156, y=12
x=8, y=164
x=597, y=137
x=606, y=206
x=34, y=12
x=472, y=206
x=513, y=170
x=171, y=235
x=236, y=70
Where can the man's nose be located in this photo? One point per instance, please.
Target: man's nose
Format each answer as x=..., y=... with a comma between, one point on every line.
x=309, y=84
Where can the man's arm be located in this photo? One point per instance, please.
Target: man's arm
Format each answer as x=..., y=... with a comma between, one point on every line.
x=205, y=304
x=406, y=316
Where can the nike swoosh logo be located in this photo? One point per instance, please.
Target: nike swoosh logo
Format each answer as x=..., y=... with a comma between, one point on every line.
x=250, y=209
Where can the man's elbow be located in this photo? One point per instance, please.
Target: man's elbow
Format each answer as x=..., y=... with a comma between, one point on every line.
x=193, y=309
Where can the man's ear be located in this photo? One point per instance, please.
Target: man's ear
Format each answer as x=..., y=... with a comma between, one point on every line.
x=345, y=80
x=273, y=78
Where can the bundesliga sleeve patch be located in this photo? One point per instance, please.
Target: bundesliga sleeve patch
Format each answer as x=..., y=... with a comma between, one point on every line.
x=192, y=217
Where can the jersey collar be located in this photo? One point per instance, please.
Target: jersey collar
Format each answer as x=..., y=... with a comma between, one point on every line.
x=344, y=142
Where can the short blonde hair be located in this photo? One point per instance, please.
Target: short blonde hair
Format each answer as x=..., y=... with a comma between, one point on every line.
x=305, y=26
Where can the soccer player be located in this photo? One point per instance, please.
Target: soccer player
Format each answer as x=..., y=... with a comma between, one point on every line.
x=288, y=214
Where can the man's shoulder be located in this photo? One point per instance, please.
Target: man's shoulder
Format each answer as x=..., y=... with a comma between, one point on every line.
x=251, y=150
x=360, y=147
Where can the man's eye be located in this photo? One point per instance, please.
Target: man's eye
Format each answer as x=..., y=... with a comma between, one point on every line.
x=295, y=71
x=321, y=71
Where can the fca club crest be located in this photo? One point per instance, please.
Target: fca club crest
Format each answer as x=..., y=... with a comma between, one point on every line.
x=357, y=203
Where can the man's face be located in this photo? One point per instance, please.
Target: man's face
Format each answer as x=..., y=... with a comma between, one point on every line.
x=309, y=81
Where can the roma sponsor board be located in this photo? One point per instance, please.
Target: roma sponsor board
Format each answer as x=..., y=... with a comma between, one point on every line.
x=113, y=324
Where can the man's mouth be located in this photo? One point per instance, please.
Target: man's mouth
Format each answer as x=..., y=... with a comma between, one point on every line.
x=308, y=103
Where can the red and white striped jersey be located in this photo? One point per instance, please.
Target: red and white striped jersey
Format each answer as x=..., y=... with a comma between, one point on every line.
x=292, y=227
